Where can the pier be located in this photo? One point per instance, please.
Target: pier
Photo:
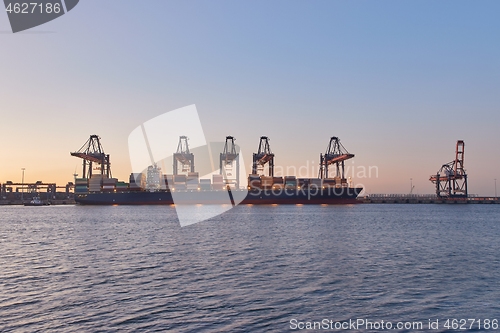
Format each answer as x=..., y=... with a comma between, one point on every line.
x=425, y=199
x=19, y=193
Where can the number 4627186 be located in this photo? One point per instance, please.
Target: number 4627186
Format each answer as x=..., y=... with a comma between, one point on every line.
x=468, y=324
x=33, y=7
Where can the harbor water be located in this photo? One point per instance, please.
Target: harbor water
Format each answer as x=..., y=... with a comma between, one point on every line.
x=251, y=269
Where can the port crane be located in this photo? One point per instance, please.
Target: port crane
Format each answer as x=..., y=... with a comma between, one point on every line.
x=335, y=154
x=183, y=157
x=92, y=153
x=262, y=157
x=229, y=159
x=451, y=179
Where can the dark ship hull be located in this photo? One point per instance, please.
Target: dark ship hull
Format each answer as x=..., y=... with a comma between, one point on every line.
x=345, y=195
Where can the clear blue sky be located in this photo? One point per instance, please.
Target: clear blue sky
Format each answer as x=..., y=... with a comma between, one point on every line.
x=398, y=81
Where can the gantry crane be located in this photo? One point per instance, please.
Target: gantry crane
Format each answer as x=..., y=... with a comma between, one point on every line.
x=183, y=156
x=92, y=152
x=228, y=158
x=263, y=156
x=335, y=154
x=451, y=179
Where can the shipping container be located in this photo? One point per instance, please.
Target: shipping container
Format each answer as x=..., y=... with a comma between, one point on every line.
x=315, y=181
x=180, y=178
x=179, y=187
x=138, y=178
x=168, y=180
x=301, y=182
x=255, y=184
x=217, y=178
x=192, y=180
x=205, y=187
x=81, y=181
x=277, y=180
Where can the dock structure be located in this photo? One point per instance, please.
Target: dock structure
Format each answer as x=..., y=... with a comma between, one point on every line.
x=425, y=199
x=12, y=193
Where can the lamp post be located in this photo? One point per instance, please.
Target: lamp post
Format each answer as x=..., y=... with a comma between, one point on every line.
x=411, y=185
x=22, y=185
x=496, y=188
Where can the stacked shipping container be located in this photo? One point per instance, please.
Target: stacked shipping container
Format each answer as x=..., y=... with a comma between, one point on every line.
x=81, y=185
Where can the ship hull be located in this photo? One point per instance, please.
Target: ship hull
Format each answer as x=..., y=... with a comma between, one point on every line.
x=260, y=197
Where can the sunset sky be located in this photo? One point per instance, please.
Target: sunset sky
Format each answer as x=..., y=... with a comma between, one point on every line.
x=398, y=81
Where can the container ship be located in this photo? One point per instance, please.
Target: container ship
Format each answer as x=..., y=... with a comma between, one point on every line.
x=184, y=185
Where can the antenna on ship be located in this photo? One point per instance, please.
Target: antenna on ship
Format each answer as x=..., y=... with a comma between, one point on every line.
x=262, y=157
x=92, y=153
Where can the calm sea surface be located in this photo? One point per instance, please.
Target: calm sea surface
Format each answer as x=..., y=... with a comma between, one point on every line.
x=252, y=269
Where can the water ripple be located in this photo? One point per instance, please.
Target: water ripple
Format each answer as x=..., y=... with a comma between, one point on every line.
x=253, y=269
